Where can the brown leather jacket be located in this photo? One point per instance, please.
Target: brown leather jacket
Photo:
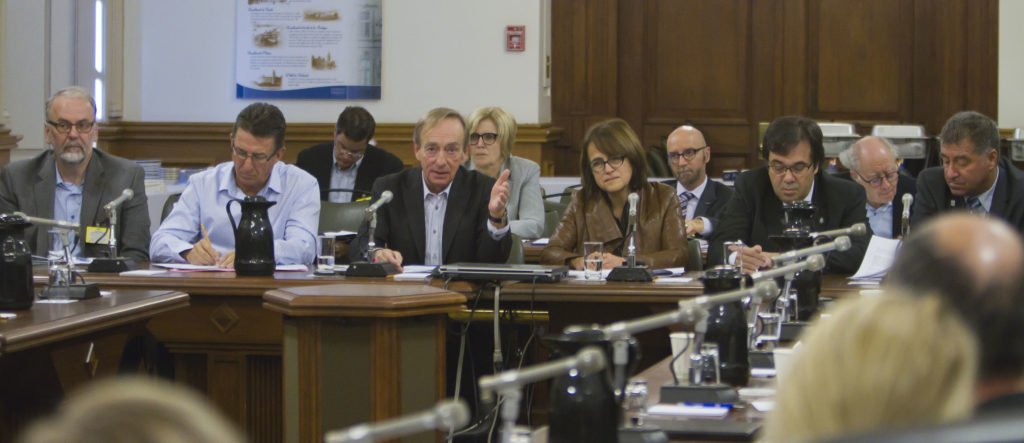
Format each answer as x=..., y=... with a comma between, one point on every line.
x=660, y=240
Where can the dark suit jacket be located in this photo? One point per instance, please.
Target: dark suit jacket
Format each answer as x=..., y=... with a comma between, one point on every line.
x=712, y=202
x=906, y=185
x=754, y=212
x=29, y=186
x=318, y=161
x=401, y=226
x=933, y=195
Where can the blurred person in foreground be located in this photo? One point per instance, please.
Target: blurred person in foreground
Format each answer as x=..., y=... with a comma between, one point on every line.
x=878, y=363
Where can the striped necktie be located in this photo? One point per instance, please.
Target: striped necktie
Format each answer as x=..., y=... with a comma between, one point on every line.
x=974, y=205
x=684, y=201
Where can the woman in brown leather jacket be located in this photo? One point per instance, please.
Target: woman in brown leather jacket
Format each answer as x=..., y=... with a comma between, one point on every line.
x=613, y=165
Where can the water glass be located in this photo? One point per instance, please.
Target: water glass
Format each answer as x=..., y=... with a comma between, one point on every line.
x=325, y=256
x=593, y=259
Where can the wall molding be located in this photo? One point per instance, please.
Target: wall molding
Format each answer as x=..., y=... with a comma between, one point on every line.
x=204, y=144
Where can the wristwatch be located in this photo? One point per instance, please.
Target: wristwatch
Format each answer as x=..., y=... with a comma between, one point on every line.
x=498, y=220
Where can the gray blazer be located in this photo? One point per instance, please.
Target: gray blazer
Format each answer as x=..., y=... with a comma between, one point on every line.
x=525, y=205
x=29, y=186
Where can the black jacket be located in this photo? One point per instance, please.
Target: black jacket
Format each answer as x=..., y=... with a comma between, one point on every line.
x=754, y=212
x=933, y=195
x=712, y=202
x=318, y=161
x=401, y=226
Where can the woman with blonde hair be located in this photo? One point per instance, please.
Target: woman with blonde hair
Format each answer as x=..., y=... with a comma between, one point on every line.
x=613, y=165
x=876, y=363
x=492, y=134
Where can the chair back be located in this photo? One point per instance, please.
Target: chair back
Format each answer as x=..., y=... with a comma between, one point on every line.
x=515, y=256
x=342, y=216
x=694, y=261
x=553, y=212
x=169, y=205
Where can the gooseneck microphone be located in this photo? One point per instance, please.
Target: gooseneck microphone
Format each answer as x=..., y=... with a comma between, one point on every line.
x=125, y=196
x=854, y=229
x=813, y=263
x=587, y=361
x=839, y=244
x=385, y=198
x=446, y=415
x=71, y=226
x=908, y=200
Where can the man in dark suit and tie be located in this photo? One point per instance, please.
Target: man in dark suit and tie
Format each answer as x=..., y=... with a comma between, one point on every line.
x=701, y=199
x=793, y=148
x=872, y=164
x=972, y=177
x=349, y=162
x=72, y=181
x=441, y=212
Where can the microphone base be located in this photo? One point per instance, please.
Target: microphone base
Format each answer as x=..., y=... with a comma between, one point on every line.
x=78, y=291
x=762, y=359
x=791, y=330
x=642, y=434
x=367, y=269
x=117, y=264
x=716, y=393
x=634, y=274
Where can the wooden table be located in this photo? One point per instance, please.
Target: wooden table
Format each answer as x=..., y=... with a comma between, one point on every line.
x=358, y=353
x=48, y=350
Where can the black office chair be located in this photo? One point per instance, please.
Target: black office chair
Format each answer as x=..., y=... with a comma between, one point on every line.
x=342, y=216
x=657, y=162
x=553, y=212
x=694, y=261
x=169, y=205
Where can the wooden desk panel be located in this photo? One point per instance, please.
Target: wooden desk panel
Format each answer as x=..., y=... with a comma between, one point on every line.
x=50, y=349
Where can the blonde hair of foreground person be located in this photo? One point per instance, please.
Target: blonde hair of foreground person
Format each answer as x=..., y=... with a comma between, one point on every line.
x=879, y=362
x=123, y=410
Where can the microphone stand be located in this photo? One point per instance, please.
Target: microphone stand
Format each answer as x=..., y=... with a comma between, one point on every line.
x=114, y=263
x=631, y=271
x=369, y=268
x=69, y=289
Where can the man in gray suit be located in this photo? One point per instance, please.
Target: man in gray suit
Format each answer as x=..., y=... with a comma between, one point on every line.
x=700, y=198
x=72, y=182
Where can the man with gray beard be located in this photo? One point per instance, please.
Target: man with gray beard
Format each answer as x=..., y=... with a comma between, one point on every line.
x=72, y=181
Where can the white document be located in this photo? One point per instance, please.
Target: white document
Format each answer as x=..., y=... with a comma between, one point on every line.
x=541, y=241
x=191, y=267
x=685, y=410
x=673, y=279
x=877, y=259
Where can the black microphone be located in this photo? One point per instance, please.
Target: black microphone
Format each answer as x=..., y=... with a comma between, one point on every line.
x=839, y=244
x=447, y=414
x=854, y=229
x=385, y=197
x=125, y=196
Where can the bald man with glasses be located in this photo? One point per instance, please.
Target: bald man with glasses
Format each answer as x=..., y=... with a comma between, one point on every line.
x=701, y=199
x=73, y=180
x=872, y=165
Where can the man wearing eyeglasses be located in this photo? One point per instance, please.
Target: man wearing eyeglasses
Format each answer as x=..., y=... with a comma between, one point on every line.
x=72, y=182
x=793, y=148
x=972, y=177
x=701, y=200
x=350, y=161
x=872, y=164
x=441, y=212
x=198, y=230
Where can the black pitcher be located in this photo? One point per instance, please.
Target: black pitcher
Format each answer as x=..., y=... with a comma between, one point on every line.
x=583, y=407
x=16, y=290
x=727, y=327
x=254, y=237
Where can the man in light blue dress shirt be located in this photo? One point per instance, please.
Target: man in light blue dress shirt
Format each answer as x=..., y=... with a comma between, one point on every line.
x=257, y=145
x=872, y=164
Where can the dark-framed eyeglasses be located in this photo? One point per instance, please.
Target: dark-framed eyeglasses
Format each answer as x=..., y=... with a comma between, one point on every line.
x=598, y=164
x=891, y=176
x=488, y=137
x=243, y=155
x=780, y=169
x=64, y=126
x=687, y=154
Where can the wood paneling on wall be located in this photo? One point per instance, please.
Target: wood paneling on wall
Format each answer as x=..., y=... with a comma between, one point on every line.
x=202, y=144
x=727, y=65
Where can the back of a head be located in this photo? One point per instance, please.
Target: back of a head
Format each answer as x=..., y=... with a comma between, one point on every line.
x=882, y=362
x=976, y=264
x=134, y=410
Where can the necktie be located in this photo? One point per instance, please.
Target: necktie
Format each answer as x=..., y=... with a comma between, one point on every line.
x=684, y=201
x=974, y=205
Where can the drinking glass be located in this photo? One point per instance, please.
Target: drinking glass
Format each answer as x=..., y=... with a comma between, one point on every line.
x=593, y=259
x=325, y=258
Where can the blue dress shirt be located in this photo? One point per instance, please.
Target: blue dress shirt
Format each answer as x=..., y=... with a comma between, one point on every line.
x=67, y=206
x=881, y=220
x=294, y=218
